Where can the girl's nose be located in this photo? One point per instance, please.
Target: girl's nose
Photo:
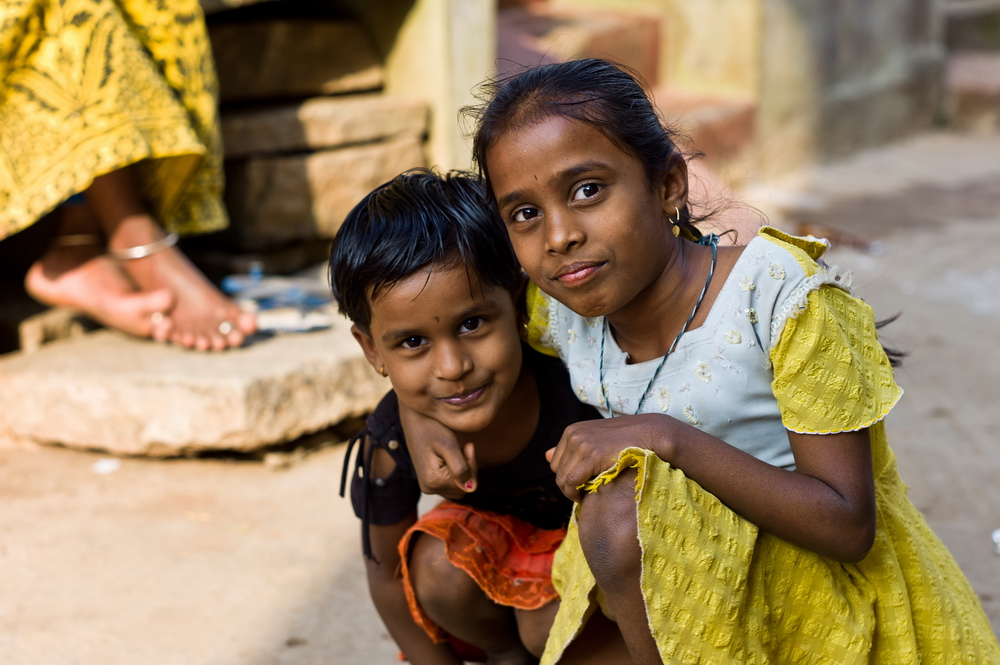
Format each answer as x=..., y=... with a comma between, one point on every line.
x=563, y=232
x=451, y=362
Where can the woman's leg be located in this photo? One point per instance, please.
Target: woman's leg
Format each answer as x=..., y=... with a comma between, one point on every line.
x=84, y=278
x=608, y=535
x=202, y=317
x=456, y=603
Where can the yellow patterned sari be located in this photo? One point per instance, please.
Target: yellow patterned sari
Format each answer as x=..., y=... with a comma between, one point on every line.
x=87, y=87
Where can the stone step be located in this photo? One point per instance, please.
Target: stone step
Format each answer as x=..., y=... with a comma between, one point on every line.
x=973, y=91
x=286, y=199
x=110, y=392
x=320, y=123
x=972, y=25
x=720, y=127
x=276, y=59
x=537, y=33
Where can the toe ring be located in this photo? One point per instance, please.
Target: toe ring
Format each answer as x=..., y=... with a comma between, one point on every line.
x=226, y=327
x=156, y=318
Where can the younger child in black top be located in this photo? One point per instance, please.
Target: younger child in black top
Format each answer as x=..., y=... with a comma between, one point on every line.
x=427, y=275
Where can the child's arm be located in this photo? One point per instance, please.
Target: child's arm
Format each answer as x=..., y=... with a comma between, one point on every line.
x=827, y=505
x=443, y=467
x=386, y=585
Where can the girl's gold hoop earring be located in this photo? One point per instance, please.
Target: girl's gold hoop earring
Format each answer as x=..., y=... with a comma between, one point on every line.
x=381, y=370
x=677, y=224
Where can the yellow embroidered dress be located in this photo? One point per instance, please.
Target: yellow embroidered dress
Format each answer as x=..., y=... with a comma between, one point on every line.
x=784, y=347
x=89, y=86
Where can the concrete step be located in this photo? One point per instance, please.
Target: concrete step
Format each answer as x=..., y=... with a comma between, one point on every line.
x=973, y=91
x=320, y=123
x=537, y=33
x=972, y=25
x=720, y=127
x=110, y=392
x=276, y=59
x=286, y=199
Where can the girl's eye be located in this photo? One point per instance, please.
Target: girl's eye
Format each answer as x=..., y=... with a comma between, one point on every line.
x=525, y=214
x=587, y=191
x=412, y=342
x=470, y=324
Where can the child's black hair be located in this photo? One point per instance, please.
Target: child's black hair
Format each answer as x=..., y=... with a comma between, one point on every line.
x=605, y=95
x=419, y=219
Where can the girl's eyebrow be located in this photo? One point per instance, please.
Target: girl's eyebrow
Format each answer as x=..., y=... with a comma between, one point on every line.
x=562, y=176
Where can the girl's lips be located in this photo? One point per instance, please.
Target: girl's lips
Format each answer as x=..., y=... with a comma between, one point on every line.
x=578, y=273
x=465, y=398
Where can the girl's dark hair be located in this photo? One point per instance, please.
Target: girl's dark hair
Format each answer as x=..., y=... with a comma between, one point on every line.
x=419, y=219
x=602, y=94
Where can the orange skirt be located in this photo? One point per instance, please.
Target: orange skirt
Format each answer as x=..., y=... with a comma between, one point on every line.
x=508, y=558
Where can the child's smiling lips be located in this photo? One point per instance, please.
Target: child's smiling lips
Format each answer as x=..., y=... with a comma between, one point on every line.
x=577, y=273
x=461, y=399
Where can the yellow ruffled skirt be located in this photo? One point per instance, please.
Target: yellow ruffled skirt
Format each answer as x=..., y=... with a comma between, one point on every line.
x=717, y=590
x=90, y=86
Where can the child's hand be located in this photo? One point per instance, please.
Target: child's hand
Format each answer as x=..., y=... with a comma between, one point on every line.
x=443, y=466
x=590, y=447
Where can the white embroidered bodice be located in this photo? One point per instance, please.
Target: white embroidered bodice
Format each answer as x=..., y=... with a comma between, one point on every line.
x=719, y=376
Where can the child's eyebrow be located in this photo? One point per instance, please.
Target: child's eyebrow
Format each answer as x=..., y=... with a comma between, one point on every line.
x=566, y=174
x=476, y=309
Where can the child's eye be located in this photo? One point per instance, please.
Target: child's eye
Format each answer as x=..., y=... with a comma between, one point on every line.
x=412, y=342
x=470, y=324
x=586, y=191
x=525, y=214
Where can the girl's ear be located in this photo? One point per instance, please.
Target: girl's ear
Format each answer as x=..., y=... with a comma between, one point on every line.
x=368, y=347
x=674, y=181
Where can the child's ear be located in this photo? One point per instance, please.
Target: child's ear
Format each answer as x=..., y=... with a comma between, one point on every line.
x=368, y=347
x=674, y=181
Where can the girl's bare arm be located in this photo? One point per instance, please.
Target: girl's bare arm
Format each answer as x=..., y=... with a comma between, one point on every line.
x=827, y=505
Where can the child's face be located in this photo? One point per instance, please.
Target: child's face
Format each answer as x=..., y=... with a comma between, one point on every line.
x=451, y=350
x=585, y=223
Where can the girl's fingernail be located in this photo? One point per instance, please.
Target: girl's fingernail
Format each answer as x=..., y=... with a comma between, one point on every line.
x=469, y=485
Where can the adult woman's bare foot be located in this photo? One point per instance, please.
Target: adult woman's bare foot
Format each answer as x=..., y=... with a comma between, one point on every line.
x=202, y=317
x=85, y=279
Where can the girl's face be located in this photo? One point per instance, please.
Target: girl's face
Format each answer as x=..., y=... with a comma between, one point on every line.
x=586, y=224
x=451, y=348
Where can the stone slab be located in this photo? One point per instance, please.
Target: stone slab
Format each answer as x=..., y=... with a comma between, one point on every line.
x=321, y=123
x=537, y=33
x=973, y=85
x=285, y=199
x=293, y=58
x=126, y=396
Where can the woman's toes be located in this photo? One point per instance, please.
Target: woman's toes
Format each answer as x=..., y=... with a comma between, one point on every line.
x=246, y=323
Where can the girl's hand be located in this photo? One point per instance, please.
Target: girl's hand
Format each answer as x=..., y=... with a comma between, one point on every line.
x=443, y=466
x=590, y=447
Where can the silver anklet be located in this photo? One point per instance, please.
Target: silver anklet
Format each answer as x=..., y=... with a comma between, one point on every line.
x=140, y=251
x=77, y=239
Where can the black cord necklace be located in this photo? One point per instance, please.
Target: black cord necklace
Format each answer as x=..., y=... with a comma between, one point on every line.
x=711, y=240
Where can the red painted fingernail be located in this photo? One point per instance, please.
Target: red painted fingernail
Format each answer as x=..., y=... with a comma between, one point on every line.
x=469, y=485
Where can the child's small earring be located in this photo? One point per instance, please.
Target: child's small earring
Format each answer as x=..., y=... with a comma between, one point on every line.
x=676, y=225
x=381, y=370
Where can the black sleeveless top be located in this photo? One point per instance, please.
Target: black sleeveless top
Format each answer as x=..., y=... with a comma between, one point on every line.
x=525, y=487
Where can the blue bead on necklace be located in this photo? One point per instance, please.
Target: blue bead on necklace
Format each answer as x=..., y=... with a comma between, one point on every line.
x=711, y=240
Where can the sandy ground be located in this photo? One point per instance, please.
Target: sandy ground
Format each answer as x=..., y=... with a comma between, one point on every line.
x=222, y=562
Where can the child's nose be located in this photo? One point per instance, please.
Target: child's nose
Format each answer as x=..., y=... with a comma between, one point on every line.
x=563, y=231
x=451, y=361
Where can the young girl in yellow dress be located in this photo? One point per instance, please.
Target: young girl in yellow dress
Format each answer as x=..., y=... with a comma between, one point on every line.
x=739, y=502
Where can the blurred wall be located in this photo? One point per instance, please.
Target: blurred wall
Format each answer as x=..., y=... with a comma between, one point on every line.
x=827, y=78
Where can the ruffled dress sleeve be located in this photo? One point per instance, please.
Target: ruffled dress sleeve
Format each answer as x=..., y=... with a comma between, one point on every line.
x=830, y=372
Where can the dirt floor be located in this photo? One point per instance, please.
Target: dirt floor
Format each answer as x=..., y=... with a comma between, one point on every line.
x=230, y=562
